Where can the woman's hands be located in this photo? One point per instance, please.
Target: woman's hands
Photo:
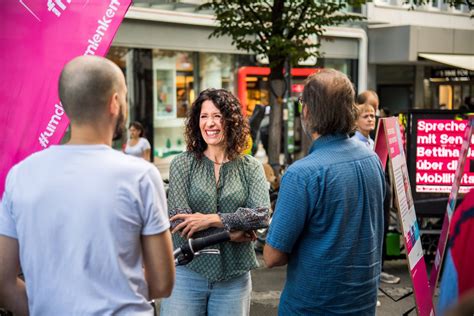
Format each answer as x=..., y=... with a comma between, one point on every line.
x=193, y=223
x=242, y=236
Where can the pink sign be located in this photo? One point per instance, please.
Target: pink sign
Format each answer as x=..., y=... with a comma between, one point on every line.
x=38, y=38
x=391, y=128
x=438, y=148
x=458, y=178
x=380, y=145
x=389, y=142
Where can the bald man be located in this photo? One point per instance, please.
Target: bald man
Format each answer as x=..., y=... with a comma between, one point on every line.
x=82, y=219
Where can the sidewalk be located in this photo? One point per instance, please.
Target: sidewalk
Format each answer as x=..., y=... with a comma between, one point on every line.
x=268, y=283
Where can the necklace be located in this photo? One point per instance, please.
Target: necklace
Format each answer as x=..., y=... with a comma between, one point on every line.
x=224, y=159
x=217, y=163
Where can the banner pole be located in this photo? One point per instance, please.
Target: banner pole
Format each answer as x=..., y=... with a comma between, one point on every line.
x=389, y=144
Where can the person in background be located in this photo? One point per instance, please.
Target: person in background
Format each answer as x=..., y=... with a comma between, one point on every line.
x=213, y=186
x=86, y=223
x=138, y=145
x=365, y=123
x=327, y=225
x=370, y=97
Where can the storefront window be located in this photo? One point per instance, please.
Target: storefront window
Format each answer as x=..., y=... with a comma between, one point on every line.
x=173, y=92
x=163, y=93
x=436, y=4
x=173, y=83
x=451, y=87
x=217, y=71
x=184, y=92
x=257, y=92
x=343, y=65
x=445, y=97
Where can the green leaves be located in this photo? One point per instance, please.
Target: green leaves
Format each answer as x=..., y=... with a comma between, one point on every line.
x=285, y=28
x=280, y=28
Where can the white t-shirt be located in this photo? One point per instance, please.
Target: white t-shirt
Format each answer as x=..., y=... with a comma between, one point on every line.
x=139, y=148
x=78, y=212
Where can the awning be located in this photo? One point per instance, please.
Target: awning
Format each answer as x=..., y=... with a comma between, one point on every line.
x=460, y=61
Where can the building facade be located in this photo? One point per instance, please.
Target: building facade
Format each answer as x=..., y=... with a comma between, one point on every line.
x=420, y=57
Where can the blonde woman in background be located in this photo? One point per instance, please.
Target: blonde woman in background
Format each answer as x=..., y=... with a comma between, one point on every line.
x=365, y=123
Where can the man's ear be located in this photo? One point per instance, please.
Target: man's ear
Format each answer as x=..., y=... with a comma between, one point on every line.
x=305, y=111
x=114, y=104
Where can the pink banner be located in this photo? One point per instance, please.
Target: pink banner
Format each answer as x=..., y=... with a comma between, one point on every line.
x=419, y=277
x=389, y=132
x=380, y=146
x=38, y=38
x=437, y=155
x=462, y=173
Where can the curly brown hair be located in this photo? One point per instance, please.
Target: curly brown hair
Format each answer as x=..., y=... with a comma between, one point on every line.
x=236, y=127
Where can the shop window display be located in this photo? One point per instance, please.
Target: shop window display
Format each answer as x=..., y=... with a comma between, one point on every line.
x=173, y=91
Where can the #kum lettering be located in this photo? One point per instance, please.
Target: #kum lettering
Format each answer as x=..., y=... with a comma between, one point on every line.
x=52, y=124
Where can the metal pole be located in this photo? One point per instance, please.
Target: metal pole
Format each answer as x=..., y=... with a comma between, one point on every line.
x=286, y=102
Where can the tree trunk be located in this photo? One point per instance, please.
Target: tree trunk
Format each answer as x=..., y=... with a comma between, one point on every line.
x=277, y=91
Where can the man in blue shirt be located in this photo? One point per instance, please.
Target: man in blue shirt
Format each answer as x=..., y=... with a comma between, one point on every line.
x=328, y=222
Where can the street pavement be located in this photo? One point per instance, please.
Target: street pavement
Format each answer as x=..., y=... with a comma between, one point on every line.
x=268, y=283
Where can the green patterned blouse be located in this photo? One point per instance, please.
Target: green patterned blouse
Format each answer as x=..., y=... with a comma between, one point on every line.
x=193, y=186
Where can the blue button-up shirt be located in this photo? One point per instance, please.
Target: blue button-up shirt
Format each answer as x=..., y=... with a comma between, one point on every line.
x=366, y=140
x=329, y=219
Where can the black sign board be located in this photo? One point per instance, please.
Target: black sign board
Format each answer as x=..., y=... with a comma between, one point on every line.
x=454, y=74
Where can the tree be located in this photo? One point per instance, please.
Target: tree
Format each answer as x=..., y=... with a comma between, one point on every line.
x=280, y=29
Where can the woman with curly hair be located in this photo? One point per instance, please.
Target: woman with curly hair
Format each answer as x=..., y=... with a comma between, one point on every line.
x=213, y=186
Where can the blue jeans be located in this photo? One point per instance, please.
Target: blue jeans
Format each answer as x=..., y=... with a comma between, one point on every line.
x=194, y=295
